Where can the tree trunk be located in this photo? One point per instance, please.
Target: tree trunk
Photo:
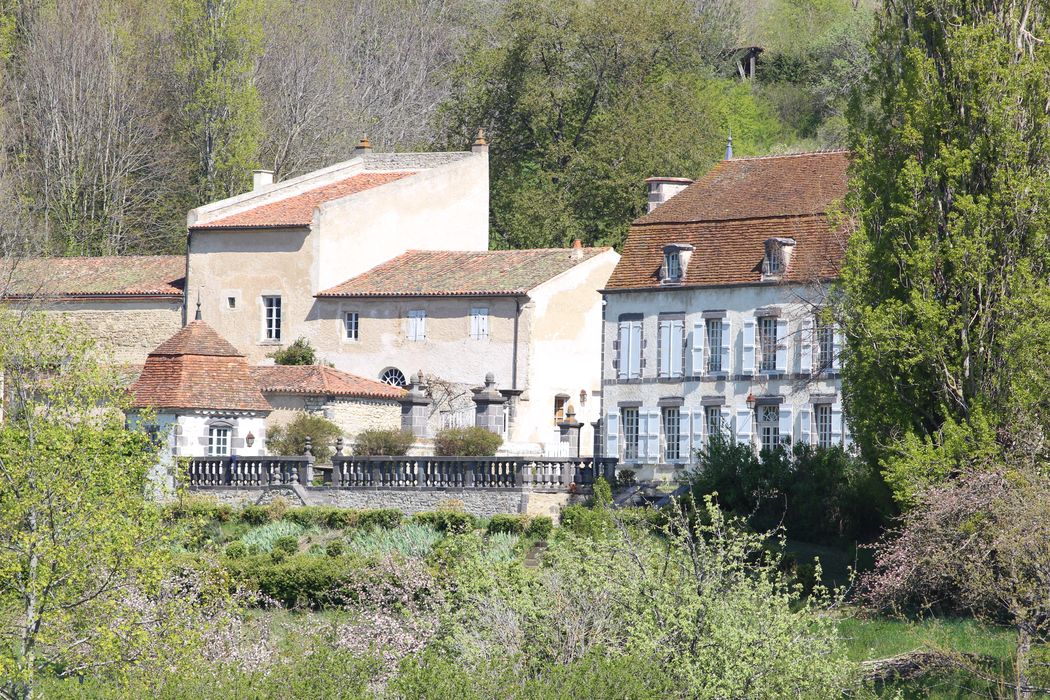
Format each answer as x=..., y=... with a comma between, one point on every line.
x=1024, y=648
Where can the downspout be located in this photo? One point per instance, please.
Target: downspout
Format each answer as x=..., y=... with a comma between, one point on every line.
x=514, y=356
x=186, y=279
x=599, y=437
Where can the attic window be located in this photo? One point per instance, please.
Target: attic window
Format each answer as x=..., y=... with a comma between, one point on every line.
x=778, y=255
x=676, y=260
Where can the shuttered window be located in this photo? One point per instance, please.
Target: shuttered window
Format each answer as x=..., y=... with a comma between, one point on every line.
x=672, y=347
x=629, y=349
x=822, y=414
x=769, y=426
x=672, y=426
x=767, y=343
x=629, y=418
x=714, y=345
x=479, y=322
x=417, y=325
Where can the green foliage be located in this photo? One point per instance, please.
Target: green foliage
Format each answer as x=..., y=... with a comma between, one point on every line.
x=409, y=540
x=236, y=550
x=466, y=442
x=393, y=443
x=335, y=548
x=299, y=352
x=946, y=296
x=298, y=580
x=323, y=516
x=291, y=439
x=539, y=527
x=264, y=538
x=380, y=518
x=819, y=495
x=586, y=522
x=602, y=493
x=625, y=478
x=289, y=544
x=216, y=45
x=584, y=100
x=451, y=521
x=255, y=515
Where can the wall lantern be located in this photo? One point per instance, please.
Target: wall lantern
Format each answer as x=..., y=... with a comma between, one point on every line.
x=249, y=439
x=583, y=397
x=751, y=401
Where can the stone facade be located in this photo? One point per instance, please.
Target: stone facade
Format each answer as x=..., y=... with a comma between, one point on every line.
x=351, y=415
x=125, y=329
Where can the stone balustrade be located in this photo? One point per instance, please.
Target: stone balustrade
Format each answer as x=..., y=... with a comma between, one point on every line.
x=203, y=472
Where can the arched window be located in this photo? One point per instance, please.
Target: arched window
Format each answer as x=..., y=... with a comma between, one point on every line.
x=392, y=376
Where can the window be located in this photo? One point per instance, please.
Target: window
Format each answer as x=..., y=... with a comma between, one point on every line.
x=559, y=407
x=714, y=345
x=769, y=426
x=272, y=307
x=629, y=418
x=672, y=434
x=773, y=260
x=392, y=376
x=479, y=322
x=673, y=264
x=629, y=352
x=825, y=346
x=417, y=325
x=767, y=343
x=218, y=441
x=713, y=418
x=672, y=347
x=231, y=302
x=822, y=415
x=350, y=325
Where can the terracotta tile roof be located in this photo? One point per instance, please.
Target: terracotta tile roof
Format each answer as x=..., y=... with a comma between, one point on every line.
x=756, y=188
x=298, y=210
x=320, y=381
x=462, y=273
x=121, y=276
x=197, y=369
x=729, y=213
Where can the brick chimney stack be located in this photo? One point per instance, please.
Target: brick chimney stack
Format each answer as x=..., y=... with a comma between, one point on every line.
x=481, y=144
x=363, y=147
x=577, y=249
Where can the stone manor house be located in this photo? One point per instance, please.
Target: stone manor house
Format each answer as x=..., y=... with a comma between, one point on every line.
x=382, y=263
x=712, y=319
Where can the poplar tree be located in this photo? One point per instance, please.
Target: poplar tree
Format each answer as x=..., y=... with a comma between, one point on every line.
x=217, y=44
x=946, y=298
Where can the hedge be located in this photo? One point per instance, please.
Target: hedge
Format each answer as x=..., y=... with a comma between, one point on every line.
x=452, y=522
x=299, y=580
x=532, y=526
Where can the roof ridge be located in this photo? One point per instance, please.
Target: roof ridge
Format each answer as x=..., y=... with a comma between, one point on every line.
x=771, y=217
x=822, y=152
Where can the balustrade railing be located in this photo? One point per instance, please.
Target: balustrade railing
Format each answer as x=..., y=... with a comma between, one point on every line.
x=466, y=472
x=248, y=471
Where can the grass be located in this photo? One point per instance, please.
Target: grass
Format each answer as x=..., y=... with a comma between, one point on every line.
x=263, y=536
x=410, y=540
x=879, y=638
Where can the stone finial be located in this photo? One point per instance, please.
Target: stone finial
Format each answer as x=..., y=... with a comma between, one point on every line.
x=729, y=145
x=481, y=144
x=197, y=316
x=339, y=443
x=308, y=450
x=363, y=146
x=577, y=249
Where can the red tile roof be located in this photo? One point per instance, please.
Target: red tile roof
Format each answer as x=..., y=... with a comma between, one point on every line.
x=462, y=273
x=110, y=276
x=298, y=210
x=320, y=381
x=197, y=369
x=729, y=214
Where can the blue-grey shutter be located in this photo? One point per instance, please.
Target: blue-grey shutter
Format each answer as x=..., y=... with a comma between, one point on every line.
x=782, y=340
x=806, y=355
x=683, y=435
x=612, y=434
x=697, y=369
x=805, y=417
x=635, y=354
x=725, y=414
x=652, y=437
x=787, y=426
x=836, y=423
x=698, y=432
x=663, y=343
x=727, y=338
x=677, y=347
x=837, y=350
x=744, y=416
x=623, y=351
x=748, y=359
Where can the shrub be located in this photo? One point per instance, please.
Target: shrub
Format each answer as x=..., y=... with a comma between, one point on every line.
x=505, y=523
x=466, y=442
x=288, y=544
x=298, y=580
x=298, y=353
x=323, y=516
x=335, y=548
x=539, y=526
x=265, y=537
x=236, y=550
x=394, y=443
x=625, y=478
x=588, y=522
x=451, y=521
x=533, y=526
x=385, y=518
x=255, y=515
x=204, y=507
x=602, y=493
x=409, y=540
x=290, y=439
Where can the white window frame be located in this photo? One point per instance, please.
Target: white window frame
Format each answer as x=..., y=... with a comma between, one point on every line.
x=673, y=264
x=479, y=322
x=417, y=325
x=351, y=326
x=671, y=427
x=767, y=343
x=822, y=425
x=713, y=364
x=768, y=426
x=219, y=439
x=713, y=421
x=629, y=352
x=273, y=312
x=632, y=436
x=825, y=344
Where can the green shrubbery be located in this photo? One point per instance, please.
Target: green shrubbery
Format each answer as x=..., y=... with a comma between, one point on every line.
x=466, y=442
x=453, y=522
x=298, y=580
x=393, y=443
x=299, y=352
x=385, y=518
x=539, y=527
x=291, y=439
x=820, y=495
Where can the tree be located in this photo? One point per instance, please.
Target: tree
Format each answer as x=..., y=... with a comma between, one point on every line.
x=980, y=543
x=299, y=352
x=291, y=439
x=584, y=100
x=946, y=305
x=216, y=45
x=82, y=551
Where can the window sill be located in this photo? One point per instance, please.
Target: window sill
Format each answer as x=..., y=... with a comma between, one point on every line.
x=271, y=343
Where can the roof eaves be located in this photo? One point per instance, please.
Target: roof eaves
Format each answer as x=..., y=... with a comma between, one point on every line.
x=421, y=295
x=657, y=287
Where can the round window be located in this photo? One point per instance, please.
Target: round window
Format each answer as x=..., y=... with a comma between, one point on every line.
x=393, y=376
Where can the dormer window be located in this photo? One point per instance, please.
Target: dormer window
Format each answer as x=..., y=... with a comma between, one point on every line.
x=676, y=260
x=778, y=255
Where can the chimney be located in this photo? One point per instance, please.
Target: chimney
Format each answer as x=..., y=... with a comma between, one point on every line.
x=261, y=179
x=577, y=250
x=363, y=147
x=480, y=145
x=662, y=189
x=729, y=146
